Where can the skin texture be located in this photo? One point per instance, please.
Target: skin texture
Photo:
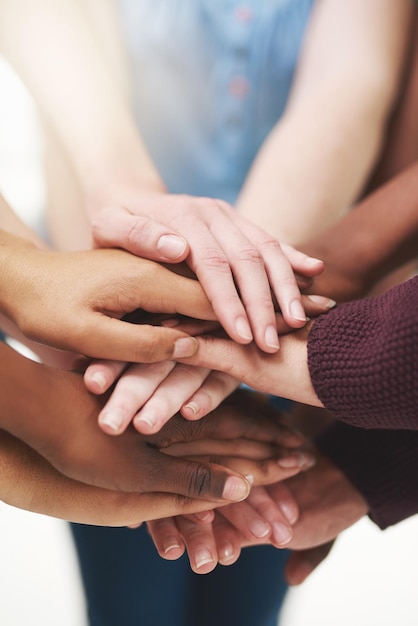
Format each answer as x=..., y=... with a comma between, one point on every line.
x=70, y=440
x=74, y=301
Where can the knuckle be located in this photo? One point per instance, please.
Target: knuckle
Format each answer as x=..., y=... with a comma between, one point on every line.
x=199, y=481
x=215, y=259
x=249, y=254
x=140, y=230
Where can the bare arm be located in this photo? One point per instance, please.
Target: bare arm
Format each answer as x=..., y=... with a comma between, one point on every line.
x=317, y=159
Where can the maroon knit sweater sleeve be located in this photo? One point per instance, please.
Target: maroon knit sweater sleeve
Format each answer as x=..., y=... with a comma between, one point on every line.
x=381, y=464
x=363, y=359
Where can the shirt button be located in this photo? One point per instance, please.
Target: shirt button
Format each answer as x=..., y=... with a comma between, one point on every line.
x=239, y=87
x=243, y=14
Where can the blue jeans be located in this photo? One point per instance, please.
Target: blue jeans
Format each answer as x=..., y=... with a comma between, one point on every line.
x=128, y=584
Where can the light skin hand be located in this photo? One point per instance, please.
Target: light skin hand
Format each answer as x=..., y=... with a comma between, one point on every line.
x=284, y=374
x=259, y=520
x=327, y=504
x=150, y=395
x=74, y=301
x=225, y=250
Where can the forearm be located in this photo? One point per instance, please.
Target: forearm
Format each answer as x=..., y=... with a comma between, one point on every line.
x=317, y=159
x=58, y=58
x=377, y=237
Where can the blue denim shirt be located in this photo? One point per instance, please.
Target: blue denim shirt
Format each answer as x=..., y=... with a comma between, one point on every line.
x=211, y=79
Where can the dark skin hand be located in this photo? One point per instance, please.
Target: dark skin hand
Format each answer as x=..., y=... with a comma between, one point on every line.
x=52, y=412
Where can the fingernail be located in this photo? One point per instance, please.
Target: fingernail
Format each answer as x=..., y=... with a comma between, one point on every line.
x=202, y=557
x=113, y=419
x=146, y=418
x=243, y=329
x=250, y=478
x=171, y=246
x=323, y=301
x=300, y=459
x=204, y=516
x=271, y=337
x=259, y=528
x=226, y=553
x=235, y=489
x=100, y=380
x=297, y=310
x=171, y=323
x=192, y=407
x=281, y=533
x=173, y=545
x=313, y=261
x=289, y=511
x=184, y=347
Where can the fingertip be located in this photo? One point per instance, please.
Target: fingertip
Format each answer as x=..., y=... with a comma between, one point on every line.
x=95, y=382
x=236, y=488
x=172, y=248
x=297, y=311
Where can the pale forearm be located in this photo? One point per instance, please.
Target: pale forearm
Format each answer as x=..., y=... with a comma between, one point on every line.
x=317, y=159
x=58, y=58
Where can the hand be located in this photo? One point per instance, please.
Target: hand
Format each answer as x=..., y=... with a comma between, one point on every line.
x=236, y=262
x=149, y=395
x=74, y=301
x=52, y=412
x=219, y=539
x=29, y=482
x=284, y=374
x=328, y=503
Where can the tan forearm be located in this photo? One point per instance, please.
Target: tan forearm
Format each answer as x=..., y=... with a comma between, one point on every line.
x=375, y=238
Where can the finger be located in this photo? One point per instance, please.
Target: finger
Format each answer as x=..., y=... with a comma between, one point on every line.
x=132, y=390
x=301, y=564
x=302, y=263
x=191, y=327
x=248, y=522
x=167, y=538
x=116, y=227
x=249, y=270
x=315, y=305
x=280, y=275
x=200, y=544
x=244, y=448
x=242, y=415
x=211, y=265
x=213, y=391
x=283, y=497
x=228, y=540
x=181, y=382
x=265, y=505
x=112, y=339
x=100, y=375
x=264, y=471
x=192, y=479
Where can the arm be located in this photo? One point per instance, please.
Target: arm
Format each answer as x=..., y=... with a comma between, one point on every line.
x=76, y=94
x=377, y=237
x=51, y=411
x=359, y=361
x=317, y=159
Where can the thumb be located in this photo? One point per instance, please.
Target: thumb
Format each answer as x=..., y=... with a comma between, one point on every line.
x=117, y=227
